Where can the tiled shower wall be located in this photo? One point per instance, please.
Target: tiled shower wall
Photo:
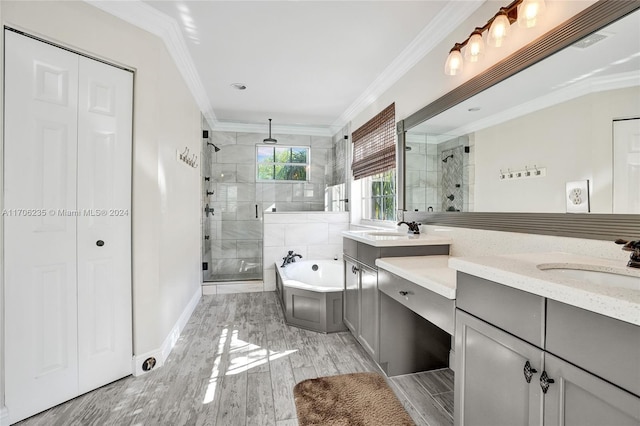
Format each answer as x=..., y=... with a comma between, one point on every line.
x=421, y=173
x=429, y=181
x=235, y=235
x=458, y=170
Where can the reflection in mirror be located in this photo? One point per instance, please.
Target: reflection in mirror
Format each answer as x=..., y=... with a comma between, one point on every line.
x=437, y=173
x=532, y=136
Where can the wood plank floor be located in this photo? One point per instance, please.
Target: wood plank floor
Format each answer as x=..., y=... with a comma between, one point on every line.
x=236, y=363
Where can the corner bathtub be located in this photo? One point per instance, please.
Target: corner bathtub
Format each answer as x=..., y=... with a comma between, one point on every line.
x=312, y=299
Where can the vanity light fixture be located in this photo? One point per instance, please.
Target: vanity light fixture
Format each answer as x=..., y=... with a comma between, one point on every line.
x=529, y=11
x=525, y=12
x=475, y=46
x=499, y=29
x=270, y=140
x=453, y=66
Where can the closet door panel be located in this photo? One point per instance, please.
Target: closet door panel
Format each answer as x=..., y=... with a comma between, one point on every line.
x=104, y=228
x=40, y=225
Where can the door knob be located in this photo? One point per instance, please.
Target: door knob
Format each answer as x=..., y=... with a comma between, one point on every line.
x=99, y=243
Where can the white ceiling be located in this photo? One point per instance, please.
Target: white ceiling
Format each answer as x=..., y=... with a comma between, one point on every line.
x=314, y=64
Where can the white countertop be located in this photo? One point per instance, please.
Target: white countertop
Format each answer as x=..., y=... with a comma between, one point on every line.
x=520, y=271
x=377, y=238
x=430, y=272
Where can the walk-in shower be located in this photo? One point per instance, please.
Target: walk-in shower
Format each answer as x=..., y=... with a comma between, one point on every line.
x=231, y=219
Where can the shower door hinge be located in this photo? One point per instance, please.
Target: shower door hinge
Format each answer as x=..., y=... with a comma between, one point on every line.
x=205, y=266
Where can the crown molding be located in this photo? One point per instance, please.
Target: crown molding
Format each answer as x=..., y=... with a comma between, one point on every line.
x=157, y=23
x=451, y=16
x=230, y=126
x=585, y=87
x=150, y=19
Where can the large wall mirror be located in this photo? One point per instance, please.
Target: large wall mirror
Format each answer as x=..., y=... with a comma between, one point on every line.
x=561, y=135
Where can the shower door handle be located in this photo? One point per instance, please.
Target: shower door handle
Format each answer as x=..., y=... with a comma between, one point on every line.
x=256, y=211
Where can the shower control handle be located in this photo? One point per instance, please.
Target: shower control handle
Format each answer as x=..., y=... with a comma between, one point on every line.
x=210, y=192
x=354, y=269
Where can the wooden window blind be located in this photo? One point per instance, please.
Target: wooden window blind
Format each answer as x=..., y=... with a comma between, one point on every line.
x=374, y=148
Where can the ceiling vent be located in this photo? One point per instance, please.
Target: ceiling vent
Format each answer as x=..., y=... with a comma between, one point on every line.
x=589, y=40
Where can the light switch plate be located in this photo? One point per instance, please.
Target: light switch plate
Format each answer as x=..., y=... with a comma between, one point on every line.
x=578, y=196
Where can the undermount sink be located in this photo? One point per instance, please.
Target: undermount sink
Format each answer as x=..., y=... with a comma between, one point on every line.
x=607, y=278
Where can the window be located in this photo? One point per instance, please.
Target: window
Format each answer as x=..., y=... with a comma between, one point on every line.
x=282, y=163
x=379, y=196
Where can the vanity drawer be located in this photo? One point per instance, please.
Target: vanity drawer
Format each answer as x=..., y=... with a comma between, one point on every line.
x=604, y=346
x=429, y=305
x=515, y=311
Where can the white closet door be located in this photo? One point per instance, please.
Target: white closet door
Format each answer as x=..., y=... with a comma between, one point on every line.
x=40, y=241
x=104, y=229
x=626, y=166
x=68, y=125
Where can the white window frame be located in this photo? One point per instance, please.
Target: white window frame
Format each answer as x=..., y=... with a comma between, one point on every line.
x=307, y=165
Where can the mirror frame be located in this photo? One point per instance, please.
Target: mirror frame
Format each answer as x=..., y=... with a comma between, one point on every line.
x=589, y=225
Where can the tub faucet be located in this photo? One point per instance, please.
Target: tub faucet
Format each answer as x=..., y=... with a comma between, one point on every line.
x=634, y=248
x=289, y=258
x=413, y=226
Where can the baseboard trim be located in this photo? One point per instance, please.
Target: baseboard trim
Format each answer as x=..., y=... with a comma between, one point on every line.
x=162, y=353
x=4, y=416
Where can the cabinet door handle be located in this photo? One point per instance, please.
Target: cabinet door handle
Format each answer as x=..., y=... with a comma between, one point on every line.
x=354, y=269
x=545, y=381
x=528, y=371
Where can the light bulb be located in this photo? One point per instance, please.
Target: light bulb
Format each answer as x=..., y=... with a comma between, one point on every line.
x=475, y=47
x=499, y=30
x=453, y=65
x=529, y=11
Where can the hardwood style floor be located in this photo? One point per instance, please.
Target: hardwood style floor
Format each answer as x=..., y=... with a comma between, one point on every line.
x=236, y=363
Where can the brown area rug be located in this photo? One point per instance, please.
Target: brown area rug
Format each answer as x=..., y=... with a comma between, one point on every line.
x=349, y=399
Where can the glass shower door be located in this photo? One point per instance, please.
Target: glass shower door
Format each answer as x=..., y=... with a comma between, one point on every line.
x=232, y=232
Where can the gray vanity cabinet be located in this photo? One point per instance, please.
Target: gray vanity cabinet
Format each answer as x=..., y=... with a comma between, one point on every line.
x=368, y=333
x=351, y=316
x=577, y=397
x=490, y=372
x=527, y=360
x=361, y=304
x=361, y=301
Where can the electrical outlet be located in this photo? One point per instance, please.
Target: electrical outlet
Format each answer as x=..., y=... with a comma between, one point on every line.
x=578, y=196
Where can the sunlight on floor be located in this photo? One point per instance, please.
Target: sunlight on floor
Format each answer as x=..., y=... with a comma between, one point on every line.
x=242, y=355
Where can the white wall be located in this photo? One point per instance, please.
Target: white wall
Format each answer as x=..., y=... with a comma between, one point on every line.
x=426, y=81
x=166, y=206
x=314, y=235
x=573, y=140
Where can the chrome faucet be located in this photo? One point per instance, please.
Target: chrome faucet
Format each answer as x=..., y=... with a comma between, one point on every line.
x=634, y=248
x=413, y=226
x=289, y=258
